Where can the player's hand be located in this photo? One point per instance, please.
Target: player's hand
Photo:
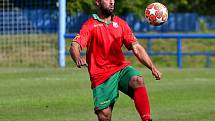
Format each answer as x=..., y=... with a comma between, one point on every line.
x=156, y=73
x=81, y=62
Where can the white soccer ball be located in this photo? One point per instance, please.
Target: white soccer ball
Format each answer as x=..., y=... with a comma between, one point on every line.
x=156, y=14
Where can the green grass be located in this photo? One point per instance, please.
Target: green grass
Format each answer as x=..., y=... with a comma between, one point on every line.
x=28, y=50
x=53, y=94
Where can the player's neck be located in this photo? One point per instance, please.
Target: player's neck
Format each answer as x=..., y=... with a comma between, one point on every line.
x=103, y=17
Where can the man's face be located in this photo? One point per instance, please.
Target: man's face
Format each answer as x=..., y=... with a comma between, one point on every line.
x=106, y=6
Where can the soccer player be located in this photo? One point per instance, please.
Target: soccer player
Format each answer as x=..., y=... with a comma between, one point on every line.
x=103, y=35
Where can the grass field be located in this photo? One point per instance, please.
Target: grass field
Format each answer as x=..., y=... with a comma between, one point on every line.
x=53, y=94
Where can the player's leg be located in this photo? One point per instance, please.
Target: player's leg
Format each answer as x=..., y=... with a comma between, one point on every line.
x=140, y=97
x=105, y=95
x=132, y=84
x=104, y=114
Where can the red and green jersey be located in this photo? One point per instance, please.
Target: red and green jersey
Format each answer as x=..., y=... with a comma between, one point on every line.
x=104, y=43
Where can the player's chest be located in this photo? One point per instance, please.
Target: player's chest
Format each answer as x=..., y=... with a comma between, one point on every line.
x=112, y=31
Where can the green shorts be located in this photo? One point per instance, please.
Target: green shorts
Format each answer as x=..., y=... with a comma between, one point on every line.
x=106, y=94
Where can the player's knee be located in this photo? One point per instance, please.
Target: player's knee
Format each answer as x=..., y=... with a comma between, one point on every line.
x=136, y=81
x=104, y=115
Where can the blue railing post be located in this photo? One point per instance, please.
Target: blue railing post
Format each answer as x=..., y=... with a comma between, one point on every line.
x=179, y=53
x=149, y=46
x=208, y=61
x=62, y=29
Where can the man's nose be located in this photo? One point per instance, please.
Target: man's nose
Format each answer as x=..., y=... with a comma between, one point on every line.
x=112, y=2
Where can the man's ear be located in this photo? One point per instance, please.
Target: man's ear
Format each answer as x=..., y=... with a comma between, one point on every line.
x=98, y=2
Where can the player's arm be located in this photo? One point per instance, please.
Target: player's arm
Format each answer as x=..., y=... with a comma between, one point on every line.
x=144, y=58
x=79, y=43
x=75, y=51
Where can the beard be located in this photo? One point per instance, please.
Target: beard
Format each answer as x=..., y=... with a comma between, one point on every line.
x=106, y=11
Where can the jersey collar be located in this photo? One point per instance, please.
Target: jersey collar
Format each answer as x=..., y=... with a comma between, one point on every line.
x=96, y=17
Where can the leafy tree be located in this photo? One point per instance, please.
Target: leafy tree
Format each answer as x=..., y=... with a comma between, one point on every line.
x=122, y=6
x=203, y=7
x=75, y=6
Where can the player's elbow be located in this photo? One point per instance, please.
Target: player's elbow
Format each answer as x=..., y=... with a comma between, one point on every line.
x=71, y=50
x=136, y=50
x=75, y=46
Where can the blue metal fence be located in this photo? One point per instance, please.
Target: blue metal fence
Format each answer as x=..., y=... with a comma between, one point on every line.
x=46, y=21
x=209, y=21
x=177, y=22
x=179, y=38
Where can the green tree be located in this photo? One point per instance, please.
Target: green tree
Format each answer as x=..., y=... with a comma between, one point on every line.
x=202, y=7
x=123, y=6
x=76, y=6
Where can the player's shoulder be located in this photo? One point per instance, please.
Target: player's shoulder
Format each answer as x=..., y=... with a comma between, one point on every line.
x=89, y=22
x=120, y=20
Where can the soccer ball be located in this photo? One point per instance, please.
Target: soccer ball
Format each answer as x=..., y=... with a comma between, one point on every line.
x=156, y=14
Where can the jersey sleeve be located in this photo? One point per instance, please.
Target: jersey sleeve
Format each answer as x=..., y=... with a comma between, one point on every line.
x=128, y=37
x=83, y=37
